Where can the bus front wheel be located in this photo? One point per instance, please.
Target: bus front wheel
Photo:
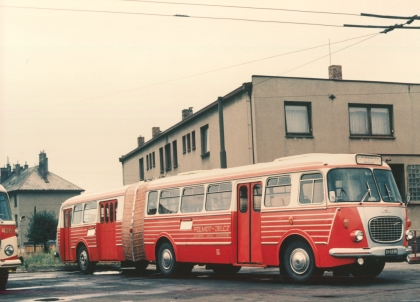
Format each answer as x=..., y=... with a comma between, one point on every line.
x=85, y=265
x=298, y=262
x=4, y=275
x=371, y=268
x=167, y=263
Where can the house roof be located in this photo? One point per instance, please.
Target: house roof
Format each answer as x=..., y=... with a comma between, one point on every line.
x=240, y=89
x=31, y=180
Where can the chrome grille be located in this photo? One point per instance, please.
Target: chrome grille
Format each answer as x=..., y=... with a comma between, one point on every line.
x=386, y=229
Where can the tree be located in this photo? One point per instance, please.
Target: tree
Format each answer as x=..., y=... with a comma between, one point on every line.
x=42, y=227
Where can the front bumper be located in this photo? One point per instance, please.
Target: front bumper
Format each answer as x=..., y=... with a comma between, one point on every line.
x=10, y=263
x=377, y=251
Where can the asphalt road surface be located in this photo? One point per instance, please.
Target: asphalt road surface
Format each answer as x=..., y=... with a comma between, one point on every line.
x=398, y=282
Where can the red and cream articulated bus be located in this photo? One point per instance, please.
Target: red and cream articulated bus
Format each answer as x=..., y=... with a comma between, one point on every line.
x=305, y=214
x=8, y=241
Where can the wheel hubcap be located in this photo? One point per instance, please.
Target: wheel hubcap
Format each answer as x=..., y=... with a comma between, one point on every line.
x=83, y=258
x=167, y=259
x=299, y=261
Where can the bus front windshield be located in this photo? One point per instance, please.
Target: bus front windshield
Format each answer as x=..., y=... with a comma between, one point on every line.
x=361, y=185
x=5, y=213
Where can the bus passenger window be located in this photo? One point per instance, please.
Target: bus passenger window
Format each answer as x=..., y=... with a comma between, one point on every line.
x=106, y=213
x=243, y=199
x=192, y=199
x=169, y=201
x=311, y=188
x=152, y=203
x=219, y=197
x=89, y=214
x=111, y=212
x=277, y=192
x=257, y=198
x=102, y=214
x=77, y=216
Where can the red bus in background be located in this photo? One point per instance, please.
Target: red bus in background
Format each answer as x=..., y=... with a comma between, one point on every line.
x=305, y=214
x=8, y=240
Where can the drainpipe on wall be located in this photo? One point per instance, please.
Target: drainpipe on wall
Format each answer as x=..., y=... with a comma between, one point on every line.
x=223, y=163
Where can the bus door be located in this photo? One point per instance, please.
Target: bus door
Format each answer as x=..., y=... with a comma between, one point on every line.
x=66, y=234
x=106, y=231
x=249, y=222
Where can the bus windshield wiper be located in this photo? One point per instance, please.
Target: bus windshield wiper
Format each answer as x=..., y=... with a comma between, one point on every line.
x=388, y=192
x=368, y=191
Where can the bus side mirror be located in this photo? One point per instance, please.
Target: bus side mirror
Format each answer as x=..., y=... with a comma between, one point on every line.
x=22, y=218
x=408, y=199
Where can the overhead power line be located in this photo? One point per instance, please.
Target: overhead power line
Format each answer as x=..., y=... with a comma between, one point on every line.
x=167, y=15
x=245, y=7
x=390, y=27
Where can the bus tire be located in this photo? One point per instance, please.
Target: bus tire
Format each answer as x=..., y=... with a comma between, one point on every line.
x=226, y=269
x=166, y=261
x=85, y=265
x=299, y=262
x=4, y=275
x=371, y=268
x=141, y=265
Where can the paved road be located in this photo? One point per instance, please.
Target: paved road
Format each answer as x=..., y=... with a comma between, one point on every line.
x=398, y=282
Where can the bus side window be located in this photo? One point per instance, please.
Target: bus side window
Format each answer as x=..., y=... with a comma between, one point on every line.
x=277, y=192
x=219, y=197
x=243, y=199
x=169, y=201
x=106, y=213
x=192, y=199
x=311, y=188
x=89, y=214
x=102, y=214
x=111, y=212
x=152, y=203
x=77, y=216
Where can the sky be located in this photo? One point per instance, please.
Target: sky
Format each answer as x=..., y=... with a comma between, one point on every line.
x=82, y=79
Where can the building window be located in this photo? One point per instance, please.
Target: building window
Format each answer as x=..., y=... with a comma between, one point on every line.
x=184, y=144
x=413, y=172
x=15, y=199
x=189, y=142
x=168, y=157
x=370, y=120
x=175, y=154
x=161, y=160
x=16, y=220
x=193, y=140
x=141, y=167
x=205, y=146
x=153, y=159
x=147, y=162
x=298, y=118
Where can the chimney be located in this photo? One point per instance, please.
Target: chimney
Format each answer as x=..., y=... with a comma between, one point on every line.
x=155, y=131
x=140, y=141
x=25, y=166
x=186, y=113
x=43, y=165
x=335, y=72
x=17, y=169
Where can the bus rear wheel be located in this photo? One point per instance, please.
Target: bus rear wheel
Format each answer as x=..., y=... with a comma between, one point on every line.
x=298, y=262
x=166, y=260
x=85, y=265
x=4, y=275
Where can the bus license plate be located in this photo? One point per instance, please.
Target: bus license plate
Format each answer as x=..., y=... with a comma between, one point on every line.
x=391, y=252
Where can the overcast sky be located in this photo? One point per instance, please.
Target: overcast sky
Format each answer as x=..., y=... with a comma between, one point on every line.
x=82, y=80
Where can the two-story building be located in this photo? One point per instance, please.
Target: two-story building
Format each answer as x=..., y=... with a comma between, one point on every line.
x=33, y=189
x=272, y=117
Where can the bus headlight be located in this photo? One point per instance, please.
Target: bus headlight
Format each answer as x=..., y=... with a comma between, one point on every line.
x=409, y=234
x=357, y=236
x=9, y=250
